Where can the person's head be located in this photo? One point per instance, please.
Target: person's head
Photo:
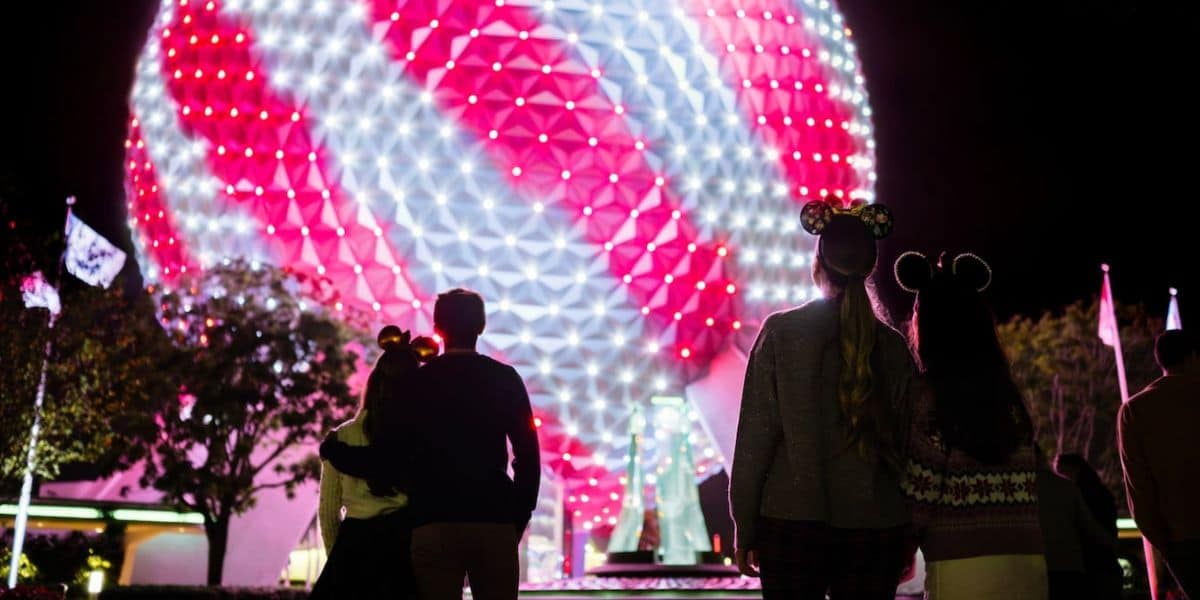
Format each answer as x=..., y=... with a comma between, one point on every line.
x=845, y=258
x=458, y=317
x=951, y=323
x=953, y=334
x=846, y=252
x=1177, y=352
x=387, y=377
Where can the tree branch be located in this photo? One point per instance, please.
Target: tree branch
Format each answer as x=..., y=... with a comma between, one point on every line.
x=255, y=469
x=267, y=486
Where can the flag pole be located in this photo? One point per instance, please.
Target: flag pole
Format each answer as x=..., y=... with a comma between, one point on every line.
x=1147, y=547
x=22, y=517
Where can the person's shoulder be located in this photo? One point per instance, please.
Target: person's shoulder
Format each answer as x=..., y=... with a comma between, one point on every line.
x=891, y=339
x=800, y=317
x=1054, y=480
x=349, y=428
x=501, y=368
x=483, y=361
x=1150, y=396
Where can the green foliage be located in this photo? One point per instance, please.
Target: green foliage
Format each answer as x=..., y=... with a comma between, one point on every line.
x=266, y=378
x=108, y=368
x=26, y=571
x=66, y=558
x=1069, y=379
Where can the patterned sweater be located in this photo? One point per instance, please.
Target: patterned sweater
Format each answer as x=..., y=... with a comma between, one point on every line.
x=963, y=508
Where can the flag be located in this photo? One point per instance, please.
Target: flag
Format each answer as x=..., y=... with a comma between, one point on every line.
x=89, y=256
x=1174, y=321
x=1108, y=317
x=1109, y=333
x=37, y=292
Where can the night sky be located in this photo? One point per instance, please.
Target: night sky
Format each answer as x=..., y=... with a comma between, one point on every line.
x=1047, y=137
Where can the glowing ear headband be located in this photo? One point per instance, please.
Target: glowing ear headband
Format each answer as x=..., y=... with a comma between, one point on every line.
x=914, y=271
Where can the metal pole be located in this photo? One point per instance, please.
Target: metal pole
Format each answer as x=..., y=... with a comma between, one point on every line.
x=1147, y=549
x=27, y=484
x=22, y=517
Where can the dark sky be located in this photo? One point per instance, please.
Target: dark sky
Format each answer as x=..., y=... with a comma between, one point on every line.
x=1046, y=136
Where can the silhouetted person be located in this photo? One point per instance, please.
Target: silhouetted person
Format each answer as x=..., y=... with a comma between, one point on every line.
x=1067, y=528
x=1104, y=574
x=815, y=483
x=972, y=473
x=368, y=550
x=1161, y=457
x=450, y=451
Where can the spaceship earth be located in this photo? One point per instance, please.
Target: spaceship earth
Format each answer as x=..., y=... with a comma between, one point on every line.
x=621, y=179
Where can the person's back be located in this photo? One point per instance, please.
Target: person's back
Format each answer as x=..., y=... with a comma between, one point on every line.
x=1067, y=527
x=963, y=507
x=971, y=473
x=368, y=550
x=460, y=440
x=1163, y=420
x=1157, y=430
x=810, y=474
x=814, y=488
x=469, y=515
x=353, y=493
x=1104, y=573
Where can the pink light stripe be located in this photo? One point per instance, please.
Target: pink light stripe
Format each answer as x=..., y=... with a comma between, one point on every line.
x=262, y=149
x=553, y=130
x=772, y=60
x=148, y=208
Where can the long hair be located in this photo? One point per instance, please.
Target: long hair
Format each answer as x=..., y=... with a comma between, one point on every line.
x=844, y=261
x=386, y=382
x=979, y=407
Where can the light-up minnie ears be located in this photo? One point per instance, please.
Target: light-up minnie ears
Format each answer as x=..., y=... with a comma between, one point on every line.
x=914, y=272
x=816, y=215
x=392, y=337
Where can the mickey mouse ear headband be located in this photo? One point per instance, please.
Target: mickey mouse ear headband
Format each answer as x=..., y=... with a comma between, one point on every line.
x=914, y=271
x=816, y=216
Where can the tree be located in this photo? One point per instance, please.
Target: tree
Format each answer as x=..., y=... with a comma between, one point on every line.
x=1069, y=379
x=108, y=367
x=266, y=378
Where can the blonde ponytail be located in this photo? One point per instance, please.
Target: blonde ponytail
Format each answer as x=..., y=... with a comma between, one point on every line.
x=859, y=331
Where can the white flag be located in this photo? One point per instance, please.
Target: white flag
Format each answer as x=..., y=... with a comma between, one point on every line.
x=89, y=256
x=1174, y=320
x=37, y=292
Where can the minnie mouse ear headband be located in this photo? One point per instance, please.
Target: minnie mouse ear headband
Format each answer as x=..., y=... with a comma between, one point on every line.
x=816, y=216
x=915, y=272
x=424, y=347
x=391, y=338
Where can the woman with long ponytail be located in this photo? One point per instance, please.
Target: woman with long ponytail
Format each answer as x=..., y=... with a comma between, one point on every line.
x=815, y=484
